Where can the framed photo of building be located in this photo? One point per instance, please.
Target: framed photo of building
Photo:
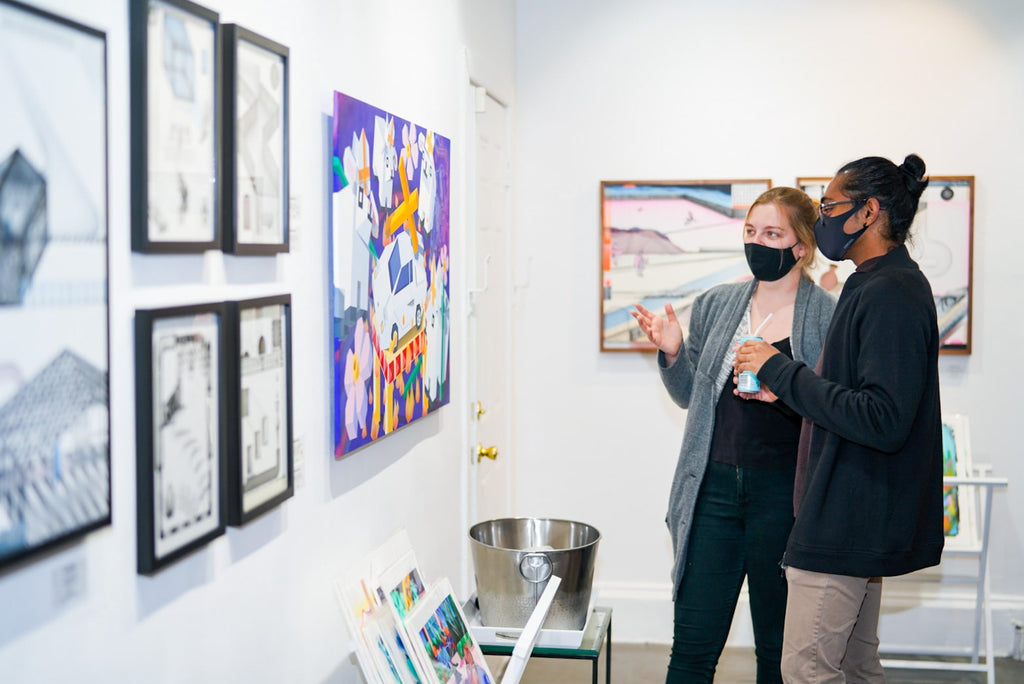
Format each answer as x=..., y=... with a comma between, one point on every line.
x=667, y=241
x=175, y=127
x=180, y=407
x=943, y=246
x=54, y=314
x=259, y=432
x=254, y=152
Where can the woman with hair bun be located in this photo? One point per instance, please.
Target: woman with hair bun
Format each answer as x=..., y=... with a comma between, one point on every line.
x=868, y=493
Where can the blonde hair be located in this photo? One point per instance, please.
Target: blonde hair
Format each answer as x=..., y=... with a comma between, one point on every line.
x=802, y=212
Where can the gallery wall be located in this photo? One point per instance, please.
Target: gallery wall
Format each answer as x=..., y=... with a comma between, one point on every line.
x=257, y=604
x=646, y=90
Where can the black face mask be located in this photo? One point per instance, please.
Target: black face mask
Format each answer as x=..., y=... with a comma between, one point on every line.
x=832, y=241
x=768, y=263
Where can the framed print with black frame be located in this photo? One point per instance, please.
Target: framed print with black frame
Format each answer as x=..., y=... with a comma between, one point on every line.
x=667, y=242
x=180, y=417
x=259, y=432
x=54, y=283
x=175, y=127
x=254, y=150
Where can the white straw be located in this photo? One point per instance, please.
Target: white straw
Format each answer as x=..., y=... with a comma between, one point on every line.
x=763, y=323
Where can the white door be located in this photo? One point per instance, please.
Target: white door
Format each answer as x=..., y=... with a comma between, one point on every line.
x=489, y=321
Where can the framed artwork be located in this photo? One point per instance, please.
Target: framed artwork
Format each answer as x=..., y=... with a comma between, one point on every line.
x=442, y=640
x=401, y=585
x=254, y=154
x=180, y=418
x=392, y=659
x=959, y=504
x=259, y=426
x=54, y=316
x=175, y=127
x=667, y=241
x=942, y=243
x=389, y=266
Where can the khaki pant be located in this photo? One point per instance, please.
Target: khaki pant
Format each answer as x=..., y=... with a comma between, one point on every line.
x=831, y=632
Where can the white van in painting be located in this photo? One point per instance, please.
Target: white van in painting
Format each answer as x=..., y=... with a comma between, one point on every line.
x=399, y=291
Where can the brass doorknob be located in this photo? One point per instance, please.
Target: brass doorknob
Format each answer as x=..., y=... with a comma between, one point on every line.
x=490, y=452
x=479, y=409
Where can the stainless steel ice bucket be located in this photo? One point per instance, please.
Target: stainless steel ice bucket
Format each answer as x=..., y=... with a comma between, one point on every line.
x=513, y=559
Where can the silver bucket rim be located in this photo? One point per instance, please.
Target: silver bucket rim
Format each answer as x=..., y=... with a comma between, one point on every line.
x=524, y=517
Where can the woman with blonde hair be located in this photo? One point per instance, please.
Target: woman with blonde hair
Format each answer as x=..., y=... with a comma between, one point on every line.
x=730, y=507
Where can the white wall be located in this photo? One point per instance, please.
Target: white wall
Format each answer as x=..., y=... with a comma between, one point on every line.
x=257, y=604
x=651, y=89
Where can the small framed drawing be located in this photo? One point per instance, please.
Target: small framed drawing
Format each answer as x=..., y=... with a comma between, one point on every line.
x=180, y=471
x=54, y=283
x=254, y=150
x=175, y=130
x=259, y=442
x=667, y=241
x=943, y=246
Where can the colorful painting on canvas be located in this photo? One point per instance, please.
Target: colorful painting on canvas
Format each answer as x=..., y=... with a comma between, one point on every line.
x=389, y=264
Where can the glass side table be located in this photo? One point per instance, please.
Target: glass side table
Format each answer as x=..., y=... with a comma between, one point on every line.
x=597, y=630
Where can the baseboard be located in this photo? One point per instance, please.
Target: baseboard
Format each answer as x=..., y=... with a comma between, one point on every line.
x=917, y=617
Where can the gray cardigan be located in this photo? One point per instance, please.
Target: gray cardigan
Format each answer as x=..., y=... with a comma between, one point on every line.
x=691, y=382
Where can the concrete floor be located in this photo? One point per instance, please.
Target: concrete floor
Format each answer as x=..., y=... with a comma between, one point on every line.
x=646, y=663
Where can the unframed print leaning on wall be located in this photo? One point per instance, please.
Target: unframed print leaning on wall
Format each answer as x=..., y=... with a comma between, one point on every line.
x=389, y=272
x=54, y=387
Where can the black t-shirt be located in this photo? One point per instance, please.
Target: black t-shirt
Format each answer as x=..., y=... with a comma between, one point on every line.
x=755, y=434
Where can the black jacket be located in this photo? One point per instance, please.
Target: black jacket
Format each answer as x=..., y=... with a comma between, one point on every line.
x=872, y=493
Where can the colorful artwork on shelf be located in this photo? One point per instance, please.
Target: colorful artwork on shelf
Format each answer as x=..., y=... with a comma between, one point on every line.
x=441, y=637
x=389, y=264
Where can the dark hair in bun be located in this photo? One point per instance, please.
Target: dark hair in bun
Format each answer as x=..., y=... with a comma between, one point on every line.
x=897, y=188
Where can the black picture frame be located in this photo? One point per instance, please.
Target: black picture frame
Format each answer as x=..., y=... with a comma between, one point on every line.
x=174, y=101
x=55, y=483
x=180, y=383
x=254, y=144
x=259, y=434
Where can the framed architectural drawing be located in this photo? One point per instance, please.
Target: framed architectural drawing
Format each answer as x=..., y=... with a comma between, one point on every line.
x=179, y=409
x=667, y=241
x=54, y=339
x=254, y=155
x=942, y=243
x=175, y=127
x=259, y=392
x=442, y=641
x=389, y=265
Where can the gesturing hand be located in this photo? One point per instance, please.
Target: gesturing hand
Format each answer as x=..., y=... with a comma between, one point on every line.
x=664, y=333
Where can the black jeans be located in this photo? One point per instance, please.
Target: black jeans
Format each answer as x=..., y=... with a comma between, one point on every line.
x=740, y=526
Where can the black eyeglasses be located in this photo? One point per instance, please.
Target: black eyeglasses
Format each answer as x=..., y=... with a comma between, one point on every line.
x=828, y=205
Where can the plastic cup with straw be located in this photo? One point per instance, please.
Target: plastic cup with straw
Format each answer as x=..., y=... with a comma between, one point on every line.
x=747, y=381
